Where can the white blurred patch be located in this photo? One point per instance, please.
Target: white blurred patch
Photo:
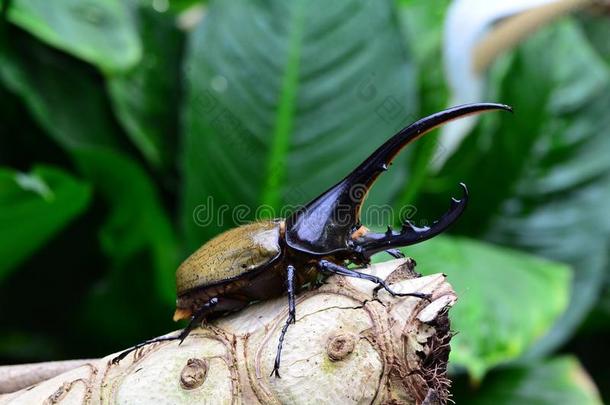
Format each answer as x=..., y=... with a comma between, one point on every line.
x=466, y=24
x=219, y=83
x=160, y=6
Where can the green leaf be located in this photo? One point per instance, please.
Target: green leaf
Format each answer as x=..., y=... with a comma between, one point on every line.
x=272, y=120
x=137, y=221
x=33, y=208
x=146, y=99
x=83, y=125
x=540, y=179
x=551, y=382
x=100, y=32
x=507, y=299
x=64, y=97
x=422, y=23
x=597, y=30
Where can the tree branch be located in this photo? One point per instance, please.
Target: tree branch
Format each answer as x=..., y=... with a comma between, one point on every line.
x=346, y=347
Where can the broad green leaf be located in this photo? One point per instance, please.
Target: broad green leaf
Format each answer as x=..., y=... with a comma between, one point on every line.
x=56, y=92
x=423, y=23
x=507, y=299
x=33, y=208
x=558, y=381
x=100, y=32
x=137, y=221
x=146, y=99
x=540, y=179
x=83, y=125
x=284, y=99
x=597, y=29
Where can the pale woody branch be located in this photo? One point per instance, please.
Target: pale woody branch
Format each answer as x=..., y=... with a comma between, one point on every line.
x=346, y=347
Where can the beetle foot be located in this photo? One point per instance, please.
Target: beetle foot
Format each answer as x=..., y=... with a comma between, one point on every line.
x=275, y=372
x=395, y=253
x=427, y=297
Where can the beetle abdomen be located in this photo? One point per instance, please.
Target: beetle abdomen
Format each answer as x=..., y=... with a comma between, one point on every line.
x=229, y=255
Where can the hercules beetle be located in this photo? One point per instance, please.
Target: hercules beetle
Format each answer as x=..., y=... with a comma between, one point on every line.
x=264, y=259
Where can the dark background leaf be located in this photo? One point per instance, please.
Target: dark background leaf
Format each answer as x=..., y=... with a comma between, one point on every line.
x=556, y=381
x=33, y=208
x=136, y=225
x=54, y=89
x=146, y=98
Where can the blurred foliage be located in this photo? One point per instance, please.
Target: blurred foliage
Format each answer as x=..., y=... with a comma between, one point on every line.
x=120, y=131
x=34, y=206
x=559, y=380
x=548, y=186
x=492, y=317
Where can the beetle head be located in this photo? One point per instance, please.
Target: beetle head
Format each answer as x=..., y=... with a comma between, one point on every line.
x=328, y=224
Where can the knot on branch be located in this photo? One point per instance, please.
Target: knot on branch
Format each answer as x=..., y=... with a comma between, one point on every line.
x=340, y=346
x=194, y=373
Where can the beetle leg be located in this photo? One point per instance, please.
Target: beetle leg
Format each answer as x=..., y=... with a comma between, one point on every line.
x=290, y=270
x=325, y=265
x=124, y=354
x=195, y=320
x=395, y=253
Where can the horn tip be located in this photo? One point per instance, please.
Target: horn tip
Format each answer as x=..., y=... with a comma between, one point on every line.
x=498, y=106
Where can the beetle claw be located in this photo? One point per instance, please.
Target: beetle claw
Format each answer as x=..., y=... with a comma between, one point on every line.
x=411, y=234
x=275, y=372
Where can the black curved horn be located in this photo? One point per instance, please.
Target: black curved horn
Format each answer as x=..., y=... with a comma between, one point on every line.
x=326, y=223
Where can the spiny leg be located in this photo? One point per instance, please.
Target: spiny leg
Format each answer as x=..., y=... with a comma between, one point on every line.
x=327, y=266
x=196, y=319
x=290, y=270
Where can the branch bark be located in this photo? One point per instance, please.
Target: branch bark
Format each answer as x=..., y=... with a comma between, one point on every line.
x=346, y=347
